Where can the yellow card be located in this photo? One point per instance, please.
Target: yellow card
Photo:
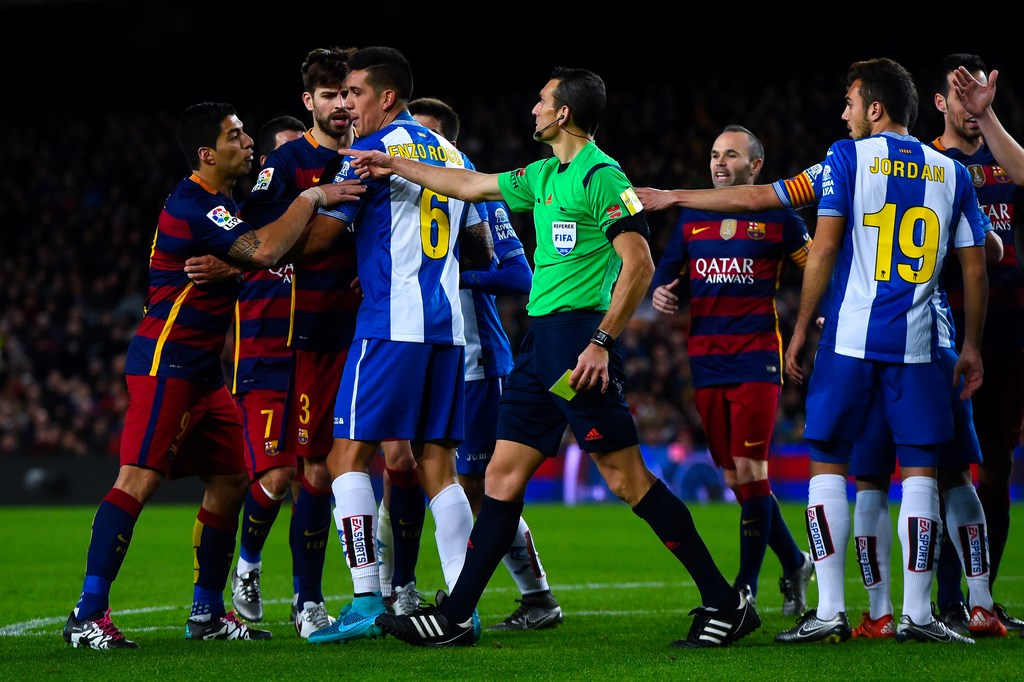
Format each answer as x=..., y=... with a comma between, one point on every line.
x=562, y=388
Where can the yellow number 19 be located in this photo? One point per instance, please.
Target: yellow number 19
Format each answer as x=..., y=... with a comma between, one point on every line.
x=906, y=233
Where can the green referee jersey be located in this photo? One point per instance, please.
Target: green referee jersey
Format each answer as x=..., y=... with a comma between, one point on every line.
x=573, y=205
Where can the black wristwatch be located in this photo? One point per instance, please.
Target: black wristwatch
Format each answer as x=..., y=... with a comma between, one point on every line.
x=603, y=339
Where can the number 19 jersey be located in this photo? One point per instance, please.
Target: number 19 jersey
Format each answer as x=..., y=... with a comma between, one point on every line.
x=906, y=207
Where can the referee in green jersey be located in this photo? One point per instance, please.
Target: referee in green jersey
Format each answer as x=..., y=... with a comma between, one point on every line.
x=592, y=269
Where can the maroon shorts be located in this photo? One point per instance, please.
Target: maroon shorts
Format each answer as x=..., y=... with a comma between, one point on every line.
x=738, y=420
x=262, y=427
x=309, y=410
x=181, y=428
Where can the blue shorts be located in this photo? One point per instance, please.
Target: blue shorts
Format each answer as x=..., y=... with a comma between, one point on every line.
x=402, y=391
x=913, y=398
x=875, y=454
x=475, y=451
x=530, y=414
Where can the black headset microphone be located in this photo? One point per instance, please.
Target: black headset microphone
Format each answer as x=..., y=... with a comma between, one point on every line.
x=540, y=132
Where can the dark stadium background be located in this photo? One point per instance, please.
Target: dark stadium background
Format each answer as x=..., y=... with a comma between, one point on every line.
x=90, y=91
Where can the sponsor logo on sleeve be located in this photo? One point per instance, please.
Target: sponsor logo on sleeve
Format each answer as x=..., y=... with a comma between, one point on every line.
x=222, y=217
x=263, y=180
x=631, y=201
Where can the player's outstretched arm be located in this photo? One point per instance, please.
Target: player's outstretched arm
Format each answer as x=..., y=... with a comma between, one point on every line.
x=451, y=182
x=265, y=247
x=735, y=199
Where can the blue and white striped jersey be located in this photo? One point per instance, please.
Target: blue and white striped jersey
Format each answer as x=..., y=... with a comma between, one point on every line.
x=906, y=206
x=406, y=242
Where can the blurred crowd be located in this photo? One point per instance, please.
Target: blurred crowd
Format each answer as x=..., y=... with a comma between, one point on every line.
x=80, y=195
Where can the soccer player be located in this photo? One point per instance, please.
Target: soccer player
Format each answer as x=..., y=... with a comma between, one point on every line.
x=404, y=376
x=733, y=264
x=873, y=455
x=973, y=135
x=891, y=211
x=181, y=420
x=322, y=314
x=592, y=268
x=276, y=132
x=488, y=363
x=261, y=362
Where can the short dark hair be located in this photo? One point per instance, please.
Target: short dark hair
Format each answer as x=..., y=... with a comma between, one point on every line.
x=756, y=148
x=199, y=126
x=325, y=67
x=584, y=93
x=885, y=80
x=266, y=139
x=387, y=69
x=442, y=111
x=949, y=64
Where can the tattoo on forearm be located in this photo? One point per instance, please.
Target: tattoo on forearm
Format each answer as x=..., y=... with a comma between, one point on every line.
x=477, y=247
x=244, y=247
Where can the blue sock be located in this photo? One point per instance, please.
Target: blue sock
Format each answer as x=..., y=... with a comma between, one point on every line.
x=112, y=529
x=407, y=508
x=258, y=516
x=311, y=524
x=755, y=529
x=213, y=541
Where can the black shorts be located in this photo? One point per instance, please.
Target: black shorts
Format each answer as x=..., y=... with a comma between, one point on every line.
x=530, y=414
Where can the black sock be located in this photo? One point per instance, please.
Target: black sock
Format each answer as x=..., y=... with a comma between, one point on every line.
x=670, y=520
x=492, y=535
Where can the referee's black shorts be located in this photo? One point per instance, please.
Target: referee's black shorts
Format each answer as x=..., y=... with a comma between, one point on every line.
x=530, y=414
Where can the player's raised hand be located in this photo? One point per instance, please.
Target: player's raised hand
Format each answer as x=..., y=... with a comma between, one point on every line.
x=368, y=163
x=974, y=96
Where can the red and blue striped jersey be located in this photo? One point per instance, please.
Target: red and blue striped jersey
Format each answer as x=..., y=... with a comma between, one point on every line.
x=322, y=309
x=184, y=326
x=999, y=197
x=263, y=325
x=734, y=263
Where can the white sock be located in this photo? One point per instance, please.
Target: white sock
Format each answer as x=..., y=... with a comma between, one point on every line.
x=385, y=555
x=453, y=521
x=523, y=563
x=355, y=515
x=244, y=566
x=920, y=530
x=872, y=531
x=828, y=523
x=965, y=521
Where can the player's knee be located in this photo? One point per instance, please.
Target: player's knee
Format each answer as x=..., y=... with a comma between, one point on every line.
x=316, y=474
x=276, y=481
